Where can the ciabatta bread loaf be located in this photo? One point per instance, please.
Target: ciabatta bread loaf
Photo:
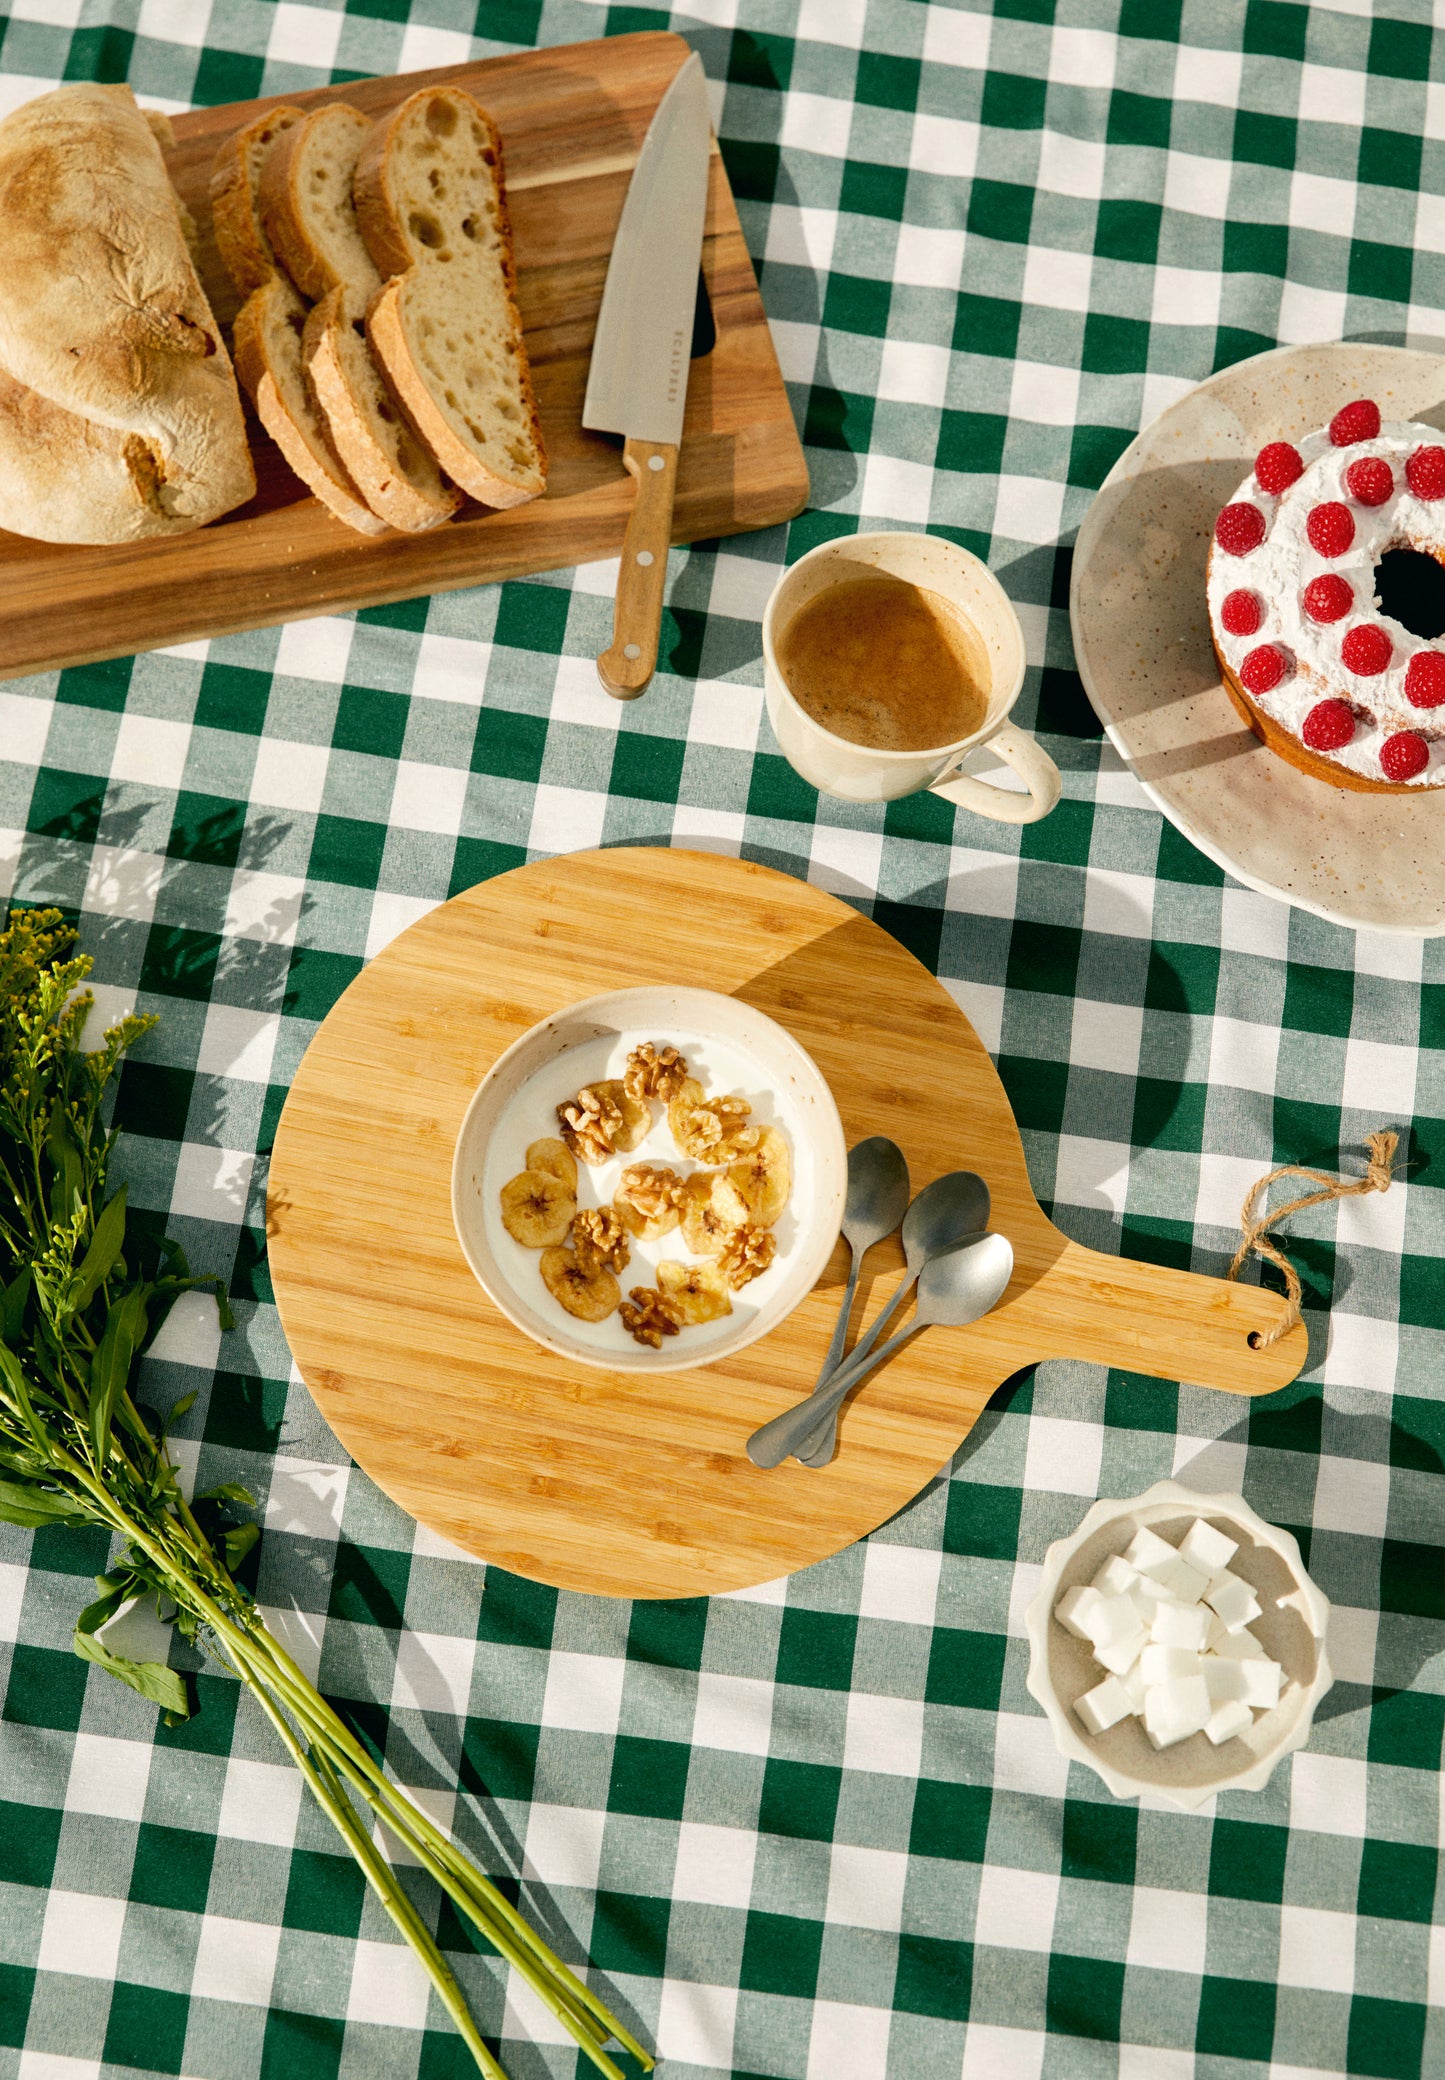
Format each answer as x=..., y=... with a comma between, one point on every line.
x=431, y=203
x=103, y=319
x=307, y=211
x=271, y=323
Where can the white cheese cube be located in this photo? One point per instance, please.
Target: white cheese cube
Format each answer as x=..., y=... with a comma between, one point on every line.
x=1207, y=1548
x=1261, y=1684
x=1103, y=1706
x=1218, y=1630
x=1132, y=1682
x=1146, y=1550
x=1225, y=1678
x=1229, y=1721
x=1184, y=1583
x=1116, y=1577
x=1111, y=1619
x=1174, y=1710
x=1233, y=1600
x=1123, y=1654
x=1167, y=1665
x=1146, y=1597
x=1073, y=1610
x=1180, y=1625
x=1239, y=1646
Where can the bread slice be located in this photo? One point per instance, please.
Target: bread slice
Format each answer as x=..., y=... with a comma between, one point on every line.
x=246, y=253
x=270, y=326
x=431, y=202
x=307, y=212
x=103, y=318
x=269, y=332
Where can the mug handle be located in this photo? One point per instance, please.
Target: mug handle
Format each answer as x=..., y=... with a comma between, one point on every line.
x=1032, y=764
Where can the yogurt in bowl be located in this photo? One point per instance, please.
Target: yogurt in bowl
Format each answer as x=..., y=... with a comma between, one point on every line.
x=732, y=1050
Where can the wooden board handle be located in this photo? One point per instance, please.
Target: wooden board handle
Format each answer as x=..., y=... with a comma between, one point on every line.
x=629, y=664
x=1169, y=1324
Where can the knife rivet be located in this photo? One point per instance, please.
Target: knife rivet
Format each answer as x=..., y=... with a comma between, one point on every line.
x=654, y=462
x=644, y=557
x=632, y=650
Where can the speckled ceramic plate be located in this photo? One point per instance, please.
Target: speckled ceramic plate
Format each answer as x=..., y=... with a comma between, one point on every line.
x=1141, y=637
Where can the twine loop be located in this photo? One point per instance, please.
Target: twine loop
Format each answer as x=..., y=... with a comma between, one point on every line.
x=1255, y=1220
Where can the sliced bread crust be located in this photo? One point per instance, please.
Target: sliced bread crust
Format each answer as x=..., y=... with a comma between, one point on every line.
x=267, y=340
x=271, y=324
x=430, y=199
x=307, y=212
x=393, y=471
x=246, y=253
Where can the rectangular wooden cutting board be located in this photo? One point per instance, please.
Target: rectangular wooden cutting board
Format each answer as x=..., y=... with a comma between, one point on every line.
x=572, y=121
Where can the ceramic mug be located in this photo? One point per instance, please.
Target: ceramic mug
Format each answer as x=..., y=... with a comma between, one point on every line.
x=858, y=772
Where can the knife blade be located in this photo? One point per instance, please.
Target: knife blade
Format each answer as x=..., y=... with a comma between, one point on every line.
x=637, y=381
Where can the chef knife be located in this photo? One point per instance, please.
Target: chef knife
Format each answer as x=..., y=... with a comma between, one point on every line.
x=637, y=383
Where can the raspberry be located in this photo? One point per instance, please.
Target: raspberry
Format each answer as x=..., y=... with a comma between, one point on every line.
x=1263, y=668
x=1359, y=421
x=1277, y=466
x=1240, y=528
x=1328, y=598
x=1425, y=679
x=1242, y=613
x=1425, y=473
x=1328, y=725
x=1366, y=650
x=1404, y=755
x=1330, y=527
x=1369, y=480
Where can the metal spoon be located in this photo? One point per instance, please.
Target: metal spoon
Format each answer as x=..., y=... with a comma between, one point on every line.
x=954, y=1206
x=877, y=1201
x=956, y=1287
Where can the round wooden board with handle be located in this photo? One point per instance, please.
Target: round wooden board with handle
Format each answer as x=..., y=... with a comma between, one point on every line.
x=621, y=1484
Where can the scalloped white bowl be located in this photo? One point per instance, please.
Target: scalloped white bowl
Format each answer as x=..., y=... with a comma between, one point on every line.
x=1291, y=1630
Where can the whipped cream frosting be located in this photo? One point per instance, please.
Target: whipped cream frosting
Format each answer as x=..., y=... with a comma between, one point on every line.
x=1283, y=565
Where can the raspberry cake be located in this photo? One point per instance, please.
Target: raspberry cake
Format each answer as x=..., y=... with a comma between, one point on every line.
x=1320, y=674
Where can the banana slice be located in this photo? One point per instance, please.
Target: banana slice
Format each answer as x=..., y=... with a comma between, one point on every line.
x=555, y=1157
x=764, y=1177
x=709, y=1130
x=694, y=1292
x=537, y=1209
x=588, y=1291
x=706, y=1224
x=647, y=1200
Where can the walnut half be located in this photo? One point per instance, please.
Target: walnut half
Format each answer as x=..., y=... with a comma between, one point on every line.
x=647, y=1317
x=746, y=1254
x=655, y=1072
x=599, y=1237
x=591, y=1123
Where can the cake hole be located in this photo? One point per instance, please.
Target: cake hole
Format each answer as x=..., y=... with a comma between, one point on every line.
x=1411, y=588
x=441, y=118
x=426, y=229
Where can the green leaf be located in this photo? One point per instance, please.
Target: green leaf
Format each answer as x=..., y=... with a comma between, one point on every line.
x=27, y=1504
x=12, y=1307
x=238, y=1543
x=180, y=1408
x=10, y=1366
x=105, y=1247
x=125, y=1329
x=162, y=1685
x=229, y=1491
x=65, y=1159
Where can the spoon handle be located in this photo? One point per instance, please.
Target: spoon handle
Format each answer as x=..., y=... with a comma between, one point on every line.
x=840, y=1327
x=866, y=1343
x=790, y=1432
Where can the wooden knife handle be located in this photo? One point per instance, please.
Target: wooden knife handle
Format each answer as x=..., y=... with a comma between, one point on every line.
x=629, y=664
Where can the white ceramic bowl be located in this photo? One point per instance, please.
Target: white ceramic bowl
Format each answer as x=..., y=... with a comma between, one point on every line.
x=1291, y=1631
x=732, y=1049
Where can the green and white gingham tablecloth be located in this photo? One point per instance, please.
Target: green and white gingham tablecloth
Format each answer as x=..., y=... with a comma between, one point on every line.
x=818, y=1831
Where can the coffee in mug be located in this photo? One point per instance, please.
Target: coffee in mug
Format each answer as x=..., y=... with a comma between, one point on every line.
x=887, y=663
x=887, y=660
